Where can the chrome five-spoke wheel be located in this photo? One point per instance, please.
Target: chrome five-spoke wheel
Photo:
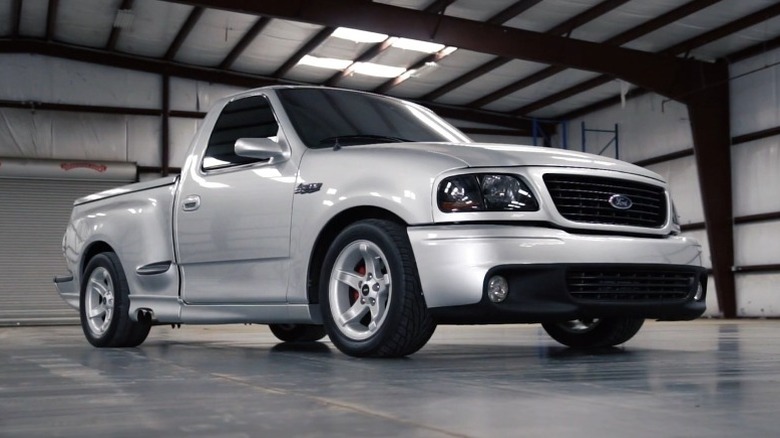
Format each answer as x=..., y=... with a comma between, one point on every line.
x=359, y=290
x=369, y=292
x=99, y=300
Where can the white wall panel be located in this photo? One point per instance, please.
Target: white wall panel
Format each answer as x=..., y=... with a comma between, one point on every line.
x=55, y=134
x=755, y=94
x=683, y=179
x=756, y=176
x=182, y=131
x=144, y=137
x=54, y=80
x=649, y=127
x=758, y=295
x=755, y=245
x=189, y=95
x=26, y=133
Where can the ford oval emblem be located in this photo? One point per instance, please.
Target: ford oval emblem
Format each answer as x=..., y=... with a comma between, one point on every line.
x=621, y=202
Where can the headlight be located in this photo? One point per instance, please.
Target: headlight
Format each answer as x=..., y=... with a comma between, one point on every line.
x=484, y=192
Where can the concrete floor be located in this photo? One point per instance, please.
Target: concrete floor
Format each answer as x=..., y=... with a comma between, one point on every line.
x=704, y=378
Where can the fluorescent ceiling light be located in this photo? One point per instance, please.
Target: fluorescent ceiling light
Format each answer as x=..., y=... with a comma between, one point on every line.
x=358, y=36
x=378, y=70
x=417, y=45
x=329, y=63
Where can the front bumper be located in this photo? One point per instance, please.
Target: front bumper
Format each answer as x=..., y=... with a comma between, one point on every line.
x=454, y=262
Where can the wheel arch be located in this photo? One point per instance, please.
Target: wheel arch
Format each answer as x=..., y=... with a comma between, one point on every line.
x=328, y=234
x=91, y=251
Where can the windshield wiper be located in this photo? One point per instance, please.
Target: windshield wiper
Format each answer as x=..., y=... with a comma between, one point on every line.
x=348, y=140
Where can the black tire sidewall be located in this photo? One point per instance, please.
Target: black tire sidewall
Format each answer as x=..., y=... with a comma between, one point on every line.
x=607, y=333
x=297, y=332
x=104, y=260
x=365, y=230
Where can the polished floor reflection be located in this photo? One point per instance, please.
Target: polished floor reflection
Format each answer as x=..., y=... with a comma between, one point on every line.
x=702, y=378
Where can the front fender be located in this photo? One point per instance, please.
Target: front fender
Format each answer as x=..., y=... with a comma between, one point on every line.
x=399, y=182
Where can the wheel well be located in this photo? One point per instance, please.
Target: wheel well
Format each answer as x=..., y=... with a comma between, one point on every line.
x=328, y=235
x=93, y=250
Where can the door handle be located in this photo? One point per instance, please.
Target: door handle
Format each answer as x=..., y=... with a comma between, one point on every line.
x=191, y=203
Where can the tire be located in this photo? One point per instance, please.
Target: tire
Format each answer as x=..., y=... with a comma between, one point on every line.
x=298, y=332
x=594, y=333
x=370, y=295
x=104, y=305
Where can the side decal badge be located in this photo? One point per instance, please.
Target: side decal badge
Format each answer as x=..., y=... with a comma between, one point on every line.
x=302, y=188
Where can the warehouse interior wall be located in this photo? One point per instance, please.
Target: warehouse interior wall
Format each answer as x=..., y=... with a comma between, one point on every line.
x=651, y=126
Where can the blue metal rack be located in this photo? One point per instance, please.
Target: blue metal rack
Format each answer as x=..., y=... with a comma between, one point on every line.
x=615, y=138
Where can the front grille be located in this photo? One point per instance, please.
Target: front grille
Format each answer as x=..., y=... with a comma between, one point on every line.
x=586, y=199
x=630, y=285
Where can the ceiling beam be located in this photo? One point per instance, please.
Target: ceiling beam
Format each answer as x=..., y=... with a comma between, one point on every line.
x=565, y=27
x=207, y=74
x=398, y=80
x=481, y=116
x=184, y=31
x=307, y=48
x=616, y=40
x=666, y=75
x=371, y=53
x=116, y=31
x=723, y=31
x=51, y=19
x=500, y=18
x=439, y=7
x=513, y=11
x=754, y=50
x=137, y=63
x=676, y=49
x=244, y=42
x=16, y=18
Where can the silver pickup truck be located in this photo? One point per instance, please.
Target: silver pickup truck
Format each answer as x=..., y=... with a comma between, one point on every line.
x=370, y=219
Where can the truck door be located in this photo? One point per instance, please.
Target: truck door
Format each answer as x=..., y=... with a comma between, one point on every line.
x=232, y=214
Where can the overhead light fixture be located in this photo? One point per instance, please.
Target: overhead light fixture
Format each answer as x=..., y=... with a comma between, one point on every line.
x=124, y=18
x=377, y=70
x=329, y=63
x=417, y=45
x=358, y=36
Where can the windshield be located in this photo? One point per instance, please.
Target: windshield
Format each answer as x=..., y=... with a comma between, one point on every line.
x=326, y=117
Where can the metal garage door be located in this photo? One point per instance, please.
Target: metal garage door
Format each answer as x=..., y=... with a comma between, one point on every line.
x=33, y=217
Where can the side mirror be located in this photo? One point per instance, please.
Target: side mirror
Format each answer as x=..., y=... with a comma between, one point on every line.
x=261, y=149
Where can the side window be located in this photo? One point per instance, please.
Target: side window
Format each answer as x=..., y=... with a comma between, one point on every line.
x=250, y=117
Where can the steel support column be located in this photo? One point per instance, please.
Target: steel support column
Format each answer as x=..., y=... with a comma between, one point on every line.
x=708, y=110
x=165, y=144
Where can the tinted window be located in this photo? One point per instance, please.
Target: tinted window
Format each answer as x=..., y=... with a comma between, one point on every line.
x=322, y=116
x=250, y=117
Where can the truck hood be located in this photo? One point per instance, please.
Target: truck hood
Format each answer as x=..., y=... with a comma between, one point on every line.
x=500, y=155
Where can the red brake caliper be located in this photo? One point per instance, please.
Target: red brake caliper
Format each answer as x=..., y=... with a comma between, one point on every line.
x=353, y=293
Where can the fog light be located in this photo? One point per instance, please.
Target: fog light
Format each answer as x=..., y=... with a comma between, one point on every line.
x=699, y=292
x=497, y=288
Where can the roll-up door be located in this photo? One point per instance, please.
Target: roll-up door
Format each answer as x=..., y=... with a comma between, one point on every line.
x=33, y=216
